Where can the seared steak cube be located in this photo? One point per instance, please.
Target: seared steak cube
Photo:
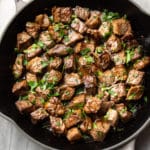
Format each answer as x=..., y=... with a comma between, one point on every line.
x=72, y=79
x=106, y=77
x=104, y=60
x=55, y=63
x=23, y=40
x=32, y=29
x=35, y=65
x=23, y=105
x=62, y=14
x=86, y=125
x=53, y=76
x=121, y=26
x=90, y=82
x=93, y=104
x=82, y=13
x=94, y=21
x=58, y=50
x=73, y=134
x=54, y=107
x=72, y=37
x=32, y=51
x=69, y=63
x=18, y=66
x=120, y=73
x=46, y=40
x=78, y=26
x=105, y=29
x=38, y=115
x=77, y=101
x=124, y=114
x=111, y=116
x=94, y=33
x=66, y=92
x=113, y=44
x=31, y=77
x=135, y=77
x=43, y=21
x=57, y=125
x=135, y=92
x=72, y=117
x=117, y=92
x=119, y=58
x=142, y=63
x=99, y=130
x=19, y=86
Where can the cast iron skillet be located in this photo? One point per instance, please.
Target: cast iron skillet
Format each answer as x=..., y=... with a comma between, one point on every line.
x=140, y=23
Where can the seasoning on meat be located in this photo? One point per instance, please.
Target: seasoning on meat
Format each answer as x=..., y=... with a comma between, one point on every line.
x=80, y=70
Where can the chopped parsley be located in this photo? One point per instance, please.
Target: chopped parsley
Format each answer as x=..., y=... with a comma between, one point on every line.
x=32, y=85
x=85, y=51
x=109, y=16
x=129, y=55
x=89, y=59
x=69, y=50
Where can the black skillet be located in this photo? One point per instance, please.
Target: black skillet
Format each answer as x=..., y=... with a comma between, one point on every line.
x=141, y=25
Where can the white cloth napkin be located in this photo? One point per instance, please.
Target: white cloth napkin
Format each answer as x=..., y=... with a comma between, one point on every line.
x=7, y=11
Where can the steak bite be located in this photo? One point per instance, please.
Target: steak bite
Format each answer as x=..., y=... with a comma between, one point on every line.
x=18, y=66
x=23, y=105
x=99, y=130
x=105, y=29
x=94, y=33
x=104, y=61
x=53, y=76
x=117, y=92
x=73, y=134
x=78, y=26
x=142, y=63
x=69, y=63
x=121, y=27
x=54, y=63
x=135, y=92
x=120, y=73
x=93, y=104
x=58, y=50
x=30, y=77
x=84, y=47
x=19, y=87
x=113, y=44
x=23, y=40
x=35, y=65
x=38, y=115
x=94, y=21
x=72, y=117
x=43, y=21
x=111, y=116
x=119, y=58
x=57, y=125
x=32, y=29
x=54, y=107
x=32, y=51
x=86, y=125
x=106, y=77
x=62, y=14
x=45, y=40
x=135, y=77
x=72, y=79
x=124, y=114
x=90, y=83
x=66, y=92
x=72, y=37
x=77, y=101
x=82, y=13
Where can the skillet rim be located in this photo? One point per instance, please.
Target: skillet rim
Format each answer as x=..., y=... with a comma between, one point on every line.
x=120, y=144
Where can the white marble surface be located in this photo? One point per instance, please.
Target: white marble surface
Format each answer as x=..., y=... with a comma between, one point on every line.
x=10, y=137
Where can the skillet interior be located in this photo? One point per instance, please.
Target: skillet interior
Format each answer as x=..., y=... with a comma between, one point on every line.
x=140, y=24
